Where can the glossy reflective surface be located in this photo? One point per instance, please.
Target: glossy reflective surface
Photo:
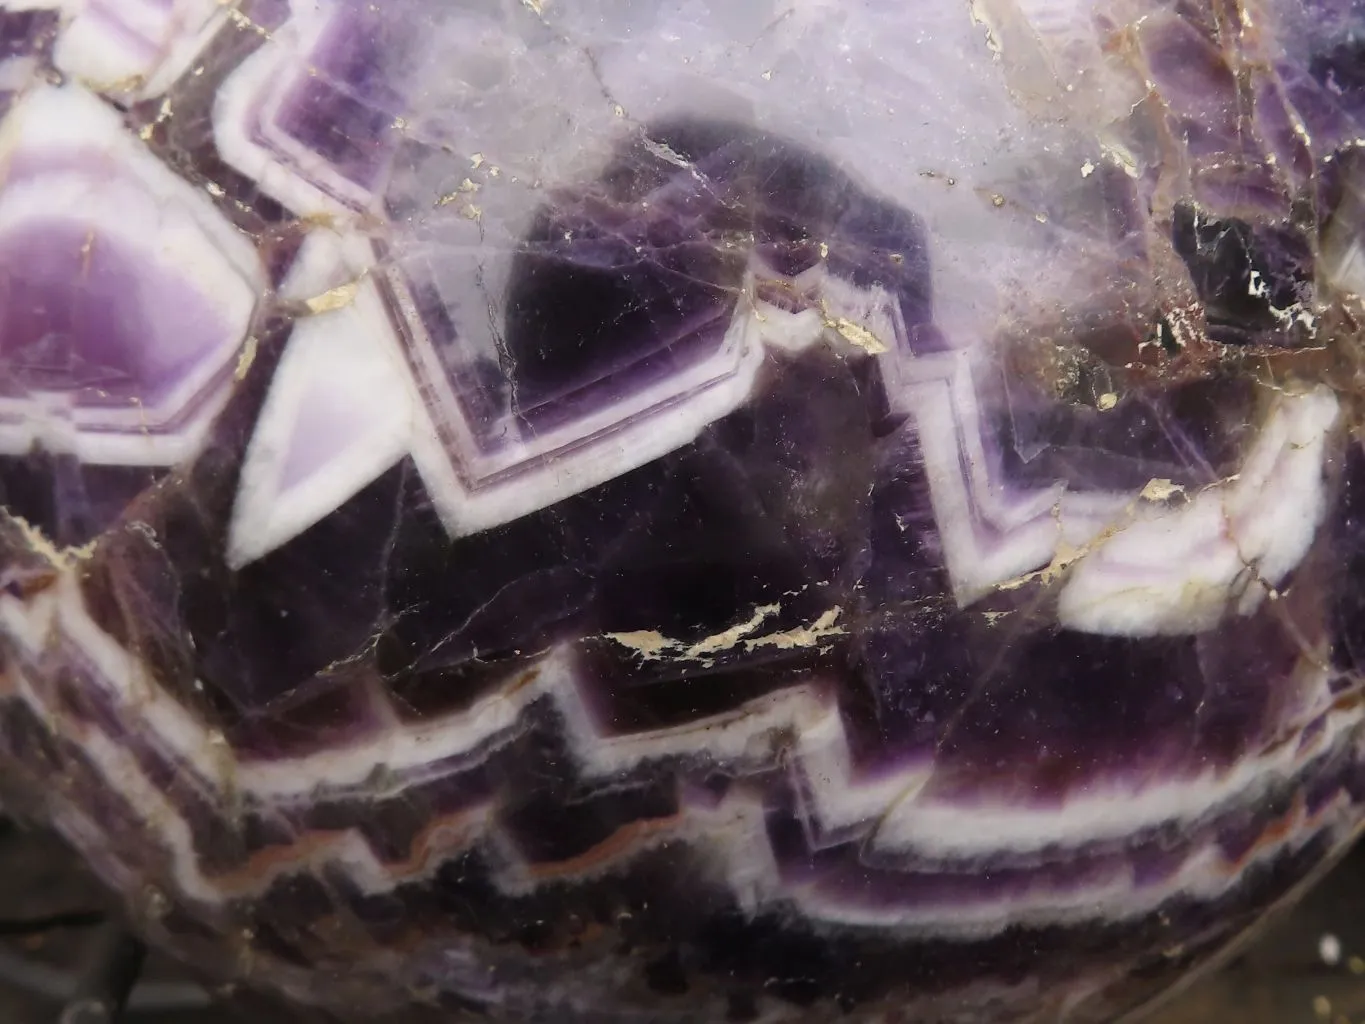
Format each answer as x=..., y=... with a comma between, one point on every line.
x=689, y=511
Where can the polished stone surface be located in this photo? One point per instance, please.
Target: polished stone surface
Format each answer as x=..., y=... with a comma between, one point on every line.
x=692, y=511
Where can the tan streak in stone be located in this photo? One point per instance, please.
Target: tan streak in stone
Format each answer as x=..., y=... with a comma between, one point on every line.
x=801, y=636
x=442, y=836
x=617, y=845
x=648, y=643
x=726, y=640
x=1276, y=833
x=652, y=645
x=61, y=558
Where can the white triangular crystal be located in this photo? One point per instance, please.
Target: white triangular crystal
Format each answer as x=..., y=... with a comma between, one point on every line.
x=340, y=412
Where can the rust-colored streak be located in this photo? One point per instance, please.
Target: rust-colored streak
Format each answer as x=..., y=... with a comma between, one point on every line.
x=616, y=846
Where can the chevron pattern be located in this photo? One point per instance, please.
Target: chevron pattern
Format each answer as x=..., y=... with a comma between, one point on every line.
x=565, y=548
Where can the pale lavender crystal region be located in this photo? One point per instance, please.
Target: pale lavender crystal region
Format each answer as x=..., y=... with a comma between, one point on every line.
x=708, y=510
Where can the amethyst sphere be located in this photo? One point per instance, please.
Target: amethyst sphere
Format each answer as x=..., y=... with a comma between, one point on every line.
x=607, y=511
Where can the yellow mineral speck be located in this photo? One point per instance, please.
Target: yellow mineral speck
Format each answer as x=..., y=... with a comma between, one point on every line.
x=476, y=160
x=824, y=250
x=247, y=357
x=537, y=6
x=997, y=200
x=618, y=110
x=1322, y=1007
x=1107, y=401
x=243, y=22
x=854, y=333
x=1160, y=489
x=334, y=298
x=860, y=336
x=472, y=212
x=162, y=115
x=1087, y=168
